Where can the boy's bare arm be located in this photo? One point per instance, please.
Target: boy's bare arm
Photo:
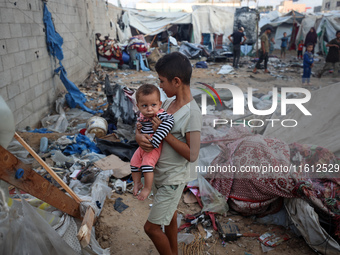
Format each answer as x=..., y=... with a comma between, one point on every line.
x=188, y=150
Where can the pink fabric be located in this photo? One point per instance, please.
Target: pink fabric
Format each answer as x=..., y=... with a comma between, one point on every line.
x=252, y=193
x=142, y=158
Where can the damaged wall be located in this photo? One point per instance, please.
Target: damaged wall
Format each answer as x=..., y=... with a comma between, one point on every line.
x=27, y=83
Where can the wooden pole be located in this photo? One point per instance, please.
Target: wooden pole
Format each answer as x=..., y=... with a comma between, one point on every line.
x=33, y=183
x=47, y=168
x=84, y=234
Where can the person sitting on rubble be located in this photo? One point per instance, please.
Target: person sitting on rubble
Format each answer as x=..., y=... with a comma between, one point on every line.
x=308, y=63
x=264, y=50
x=333, y=56
x=180, y=147
x=237, y=41
x=149, y=105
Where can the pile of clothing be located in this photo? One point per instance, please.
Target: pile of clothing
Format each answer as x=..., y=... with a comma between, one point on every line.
x=108, y=47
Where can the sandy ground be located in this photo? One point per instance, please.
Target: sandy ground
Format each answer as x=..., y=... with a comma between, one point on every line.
x=123, y=232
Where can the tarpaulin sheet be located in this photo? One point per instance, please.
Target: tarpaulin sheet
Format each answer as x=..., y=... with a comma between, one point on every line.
x=53, y=39
x=54, y=42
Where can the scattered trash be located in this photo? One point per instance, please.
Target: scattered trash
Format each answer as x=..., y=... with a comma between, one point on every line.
x=119, y=205
x=226, y=69
x=274, y=238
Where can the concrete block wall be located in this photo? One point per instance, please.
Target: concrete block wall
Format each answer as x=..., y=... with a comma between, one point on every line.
x=27, y=82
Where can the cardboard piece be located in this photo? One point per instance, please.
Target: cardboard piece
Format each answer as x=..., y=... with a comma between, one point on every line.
x=119, y=167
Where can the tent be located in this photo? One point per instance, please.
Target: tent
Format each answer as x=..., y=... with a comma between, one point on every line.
x=288, y=23
x=326, y=26
x=204, y=19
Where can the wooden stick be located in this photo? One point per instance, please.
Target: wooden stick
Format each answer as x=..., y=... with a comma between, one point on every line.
x=153, y=40
x=47, y=168
x=84, y=234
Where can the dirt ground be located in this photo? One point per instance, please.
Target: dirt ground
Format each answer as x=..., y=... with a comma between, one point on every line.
x=123, y=232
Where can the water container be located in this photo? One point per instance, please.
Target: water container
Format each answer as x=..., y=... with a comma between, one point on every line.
x=43, y=144
x=7, y=128
x=97, y=125
x=126, y=58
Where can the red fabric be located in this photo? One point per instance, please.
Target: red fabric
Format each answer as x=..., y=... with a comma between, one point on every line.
x=300, y=47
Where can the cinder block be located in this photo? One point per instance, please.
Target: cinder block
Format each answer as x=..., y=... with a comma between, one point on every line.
x=30, y=95
x=28, y=17
x=23, y=44
x=19, y=58
x=32, y=42
x=11, y=105
x=26, y=29
x=3, y=93
x=38, y=90
x=35, y=66
x=8, y=61
x=18, y=115
x=38, y=17
x=36, y=104
x=5, y=78
x=13, y=90
x=30, y=55
x=28, y=110
x=33, y=80
x=41, y=41
x=6, y=15
x=20, y=100
x=24, y=85
x=4, y=31
x=3, y=49
x=27, y=69
x=37, y=29
x=16, y=73
x=12, y=45
x=41, y=76
x=15, y=30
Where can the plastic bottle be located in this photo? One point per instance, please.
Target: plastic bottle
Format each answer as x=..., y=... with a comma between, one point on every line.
x=43, y=144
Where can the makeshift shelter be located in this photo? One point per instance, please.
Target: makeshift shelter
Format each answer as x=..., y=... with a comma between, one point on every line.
x=288, y=23
x=248, y=19
x=189, y=27
x=153, y=23
x=326, y=26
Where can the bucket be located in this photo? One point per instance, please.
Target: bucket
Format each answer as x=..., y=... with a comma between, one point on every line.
x=97, y=125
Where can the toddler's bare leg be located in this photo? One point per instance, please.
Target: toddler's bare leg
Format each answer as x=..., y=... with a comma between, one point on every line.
x=148, y=179
x=137, y=183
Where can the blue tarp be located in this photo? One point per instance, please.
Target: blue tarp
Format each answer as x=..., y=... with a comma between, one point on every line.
x=83, y=143
x=141, y=62
x=53, y=39
x=54, y=42
x=40, y=130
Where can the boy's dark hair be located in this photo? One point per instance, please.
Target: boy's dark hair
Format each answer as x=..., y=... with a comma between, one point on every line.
x=174, y=65
x=309, y=44
x=337, y=32
x=147, y=89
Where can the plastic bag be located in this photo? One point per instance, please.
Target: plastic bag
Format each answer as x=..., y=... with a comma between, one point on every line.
x=212, y=200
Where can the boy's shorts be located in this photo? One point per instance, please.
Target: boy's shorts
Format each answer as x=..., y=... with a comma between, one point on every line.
x=145, y=161
x=283, y=49
x=165, y=202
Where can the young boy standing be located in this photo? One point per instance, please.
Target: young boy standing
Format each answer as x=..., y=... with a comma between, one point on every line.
x=180, y=148
x=308, y=62
x=284, y=43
